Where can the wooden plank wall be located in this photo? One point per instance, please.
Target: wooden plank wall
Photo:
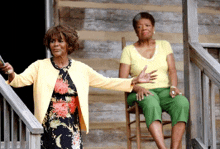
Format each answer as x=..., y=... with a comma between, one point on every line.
x=101, y=24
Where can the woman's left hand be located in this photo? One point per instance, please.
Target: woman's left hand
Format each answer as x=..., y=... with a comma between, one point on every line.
x=145, y=77
x=174, y=91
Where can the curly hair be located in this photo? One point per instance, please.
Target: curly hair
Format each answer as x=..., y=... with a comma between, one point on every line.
x=60, y=31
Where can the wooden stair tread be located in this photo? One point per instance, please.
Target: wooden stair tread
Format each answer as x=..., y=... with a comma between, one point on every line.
x=120, y=126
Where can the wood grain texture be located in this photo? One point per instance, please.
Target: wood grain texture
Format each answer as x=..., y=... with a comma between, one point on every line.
x=112, y=50
x=121, y=20
x=130, y=36
x=136, y=6
x=212, y=136
x=113, y=64
x=206, y=63
x=198, y=144
x=6, y=124
x=201, y=3
x=205, y=109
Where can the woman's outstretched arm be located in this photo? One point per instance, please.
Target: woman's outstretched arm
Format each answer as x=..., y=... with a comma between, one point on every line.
x=19, y=80
x=124, y=71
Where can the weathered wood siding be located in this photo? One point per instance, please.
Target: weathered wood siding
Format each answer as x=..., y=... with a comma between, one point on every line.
x=101, y=24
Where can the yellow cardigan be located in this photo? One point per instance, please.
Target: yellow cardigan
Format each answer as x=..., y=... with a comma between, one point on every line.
x=43, y=76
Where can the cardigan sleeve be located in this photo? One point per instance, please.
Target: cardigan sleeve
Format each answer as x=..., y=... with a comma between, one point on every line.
x=99, y=81
x=27, y=77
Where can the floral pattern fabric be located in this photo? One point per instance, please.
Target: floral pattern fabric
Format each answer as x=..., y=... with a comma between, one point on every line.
x=61, y=123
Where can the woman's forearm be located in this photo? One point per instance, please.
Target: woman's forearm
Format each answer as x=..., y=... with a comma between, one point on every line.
x=173, y=78
x=136, y=88
x=172, y=70
x=11, y=77
x=134, y=81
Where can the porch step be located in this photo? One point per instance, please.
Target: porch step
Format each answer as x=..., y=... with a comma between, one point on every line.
x=122, y=127
x=113, y=135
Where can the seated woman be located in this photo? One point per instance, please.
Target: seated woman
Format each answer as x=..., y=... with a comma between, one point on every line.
x=163, y=94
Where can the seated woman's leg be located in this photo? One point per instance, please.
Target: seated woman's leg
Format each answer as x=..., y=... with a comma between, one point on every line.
x=152, y=112
x=178, y=108
x=150, y=106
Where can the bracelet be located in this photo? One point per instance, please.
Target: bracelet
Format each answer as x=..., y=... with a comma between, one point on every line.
x=173, y=87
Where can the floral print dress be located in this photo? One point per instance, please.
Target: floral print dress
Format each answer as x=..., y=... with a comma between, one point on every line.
x=61, y=123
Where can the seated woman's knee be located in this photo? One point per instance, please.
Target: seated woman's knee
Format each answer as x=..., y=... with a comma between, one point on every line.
x=150, y=102
x=181, y=102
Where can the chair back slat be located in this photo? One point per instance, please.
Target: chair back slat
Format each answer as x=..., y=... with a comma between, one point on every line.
x=123, y=42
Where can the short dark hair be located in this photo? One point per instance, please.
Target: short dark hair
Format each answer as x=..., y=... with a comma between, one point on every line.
x=143, y=15
x=70, y=34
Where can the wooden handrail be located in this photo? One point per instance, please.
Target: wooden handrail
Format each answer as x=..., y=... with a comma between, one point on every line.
x=211, y=45
x=20, y=108
x=205, y=62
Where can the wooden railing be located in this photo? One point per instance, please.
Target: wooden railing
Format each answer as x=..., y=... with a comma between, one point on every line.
x=201, y=76
x=19, y=128
x=205, y=77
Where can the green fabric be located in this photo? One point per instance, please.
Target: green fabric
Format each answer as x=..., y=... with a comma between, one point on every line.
x=177, y=108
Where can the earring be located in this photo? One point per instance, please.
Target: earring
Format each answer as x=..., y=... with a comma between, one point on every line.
x=154, y=32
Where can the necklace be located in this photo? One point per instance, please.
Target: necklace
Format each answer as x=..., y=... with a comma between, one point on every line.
x=64, y=69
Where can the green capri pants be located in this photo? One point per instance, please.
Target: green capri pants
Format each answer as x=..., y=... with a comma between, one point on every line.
x=177, y=108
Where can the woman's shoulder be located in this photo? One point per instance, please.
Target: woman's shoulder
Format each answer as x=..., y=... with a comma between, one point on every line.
x=163, y=44
x=129, y=48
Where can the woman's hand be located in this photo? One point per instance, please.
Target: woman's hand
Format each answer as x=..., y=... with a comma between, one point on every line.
x=7, y=68
x=174, y=91
x=141, y=92
x=144, y=77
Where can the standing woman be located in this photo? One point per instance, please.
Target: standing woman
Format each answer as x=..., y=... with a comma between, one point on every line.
x=163, y=94
x=61, y=87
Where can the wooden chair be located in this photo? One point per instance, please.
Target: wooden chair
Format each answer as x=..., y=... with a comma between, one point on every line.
x=135, y=109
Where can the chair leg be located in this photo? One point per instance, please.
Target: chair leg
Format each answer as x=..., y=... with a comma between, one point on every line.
x=138, y=129
x=128, y=126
